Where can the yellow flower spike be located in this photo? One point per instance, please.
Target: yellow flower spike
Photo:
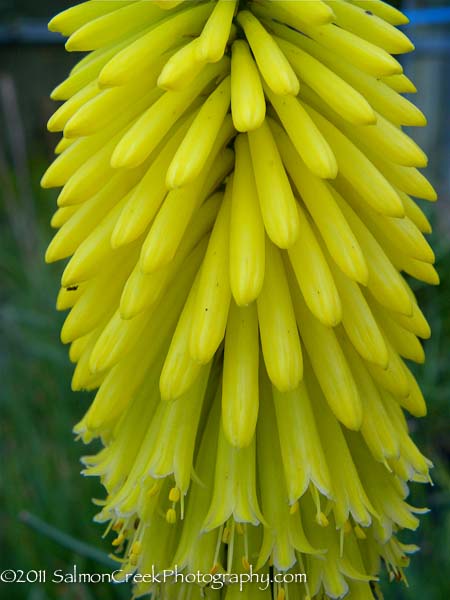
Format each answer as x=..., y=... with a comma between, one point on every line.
x=137, y=56
x=247, y=237
x=305, y=136
x=369, y=57
x=150, y=191
x=272, y=63
x=120, y=336
x=193, y=152
x=400, y=83
x=75, y=17
x=90, y=178
x=314, y=276
x=193, y=540
x=335, y=231
x=415, y=323
x=105, y=29
x=87, y=71
x=380, y=96
x=302, y=452
x=349, y=494
x=370, y=27
x=177, y=457
x=95, y=114
x=353, y=163
x=328, y=361
x=178, y=200
x=124, y=379
x=91, y=255
x=403, y=341
x=111, y=463
x=90, y=214
x=359, y=322
x=71, y=159
x=213, y=294
x=352, y=105
x=87, y=58
x=240, y=391
x=60, y=117
x=277, y=202
x=62, y=215
x=181, y=68
x=83, y=378
x=283, y=534
x=143, y=291
x=415, y=402
x=280, y=341
x=309, y=13
x=77, y=347
x=394, y=377
x=80, y=182
x=87, y=313
x=416, y=463
x=383, y=10
x=180, y=371
x=382, y=440
x=146, y=133
x=420, y=270
x=400, y=234
x=234, y=490
x=62, y=145
x=179, y=206
x=388, y=500
x=100, y=415
x=385, y=283
x=248, y=105
x=388, y=140
x=67, y=297
x=215, y=34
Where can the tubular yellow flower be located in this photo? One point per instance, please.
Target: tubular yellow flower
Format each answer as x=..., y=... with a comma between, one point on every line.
x=237, y=210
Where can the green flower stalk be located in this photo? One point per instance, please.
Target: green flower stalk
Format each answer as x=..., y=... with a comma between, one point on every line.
x=236, y=205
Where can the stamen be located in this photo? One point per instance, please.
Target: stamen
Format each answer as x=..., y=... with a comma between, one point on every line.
x=246, y=542
x=217, y=550
x=226, y=535
x=359, y=533
x=119, y=539
x=230, y=548
x=171, y=516
x=174, y=494
x=321, y=519
x=117, y=525
x=294, y=508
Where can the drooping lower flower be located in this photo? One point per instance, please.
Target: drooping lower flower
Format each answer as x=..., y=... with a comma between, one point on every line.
x=236, y=203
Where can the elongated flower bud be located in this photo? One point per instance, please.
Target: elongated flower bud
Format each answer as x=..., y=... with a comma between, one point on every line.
x=237, y=210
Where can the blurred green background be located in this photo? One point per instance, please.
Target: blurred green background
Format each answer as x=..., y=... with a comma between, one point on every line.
x=40, y=460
